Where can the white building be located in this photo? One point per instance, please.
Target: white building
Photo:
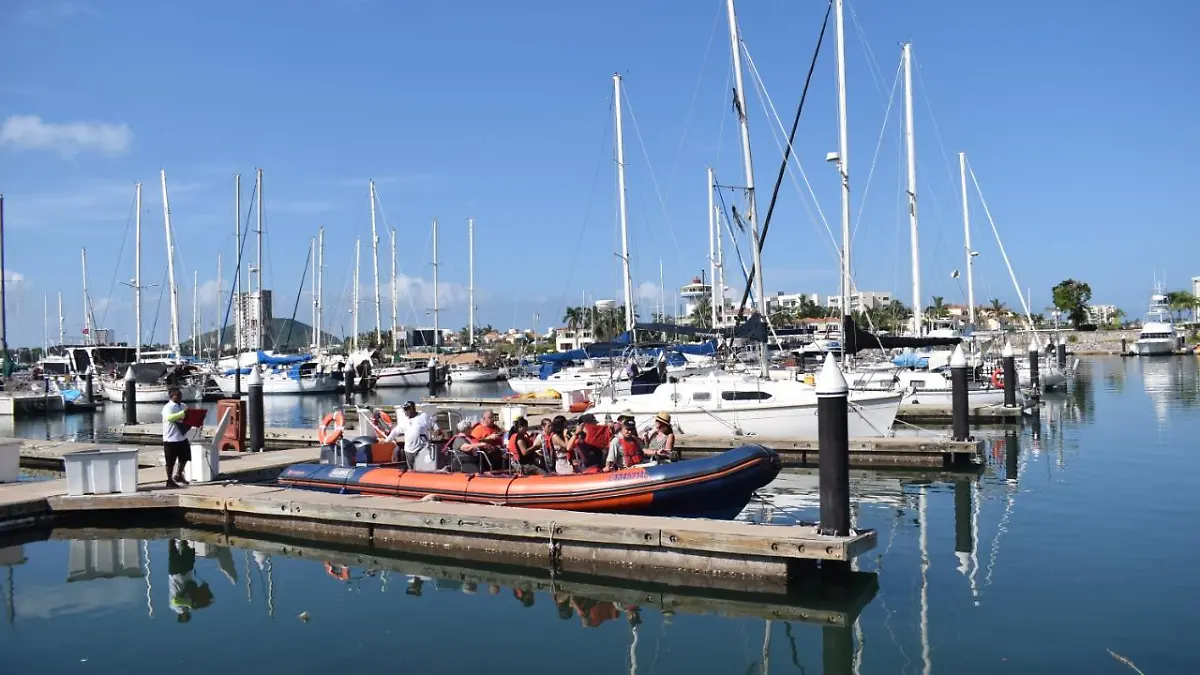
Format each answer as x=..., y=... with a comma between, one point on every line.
x=256, y=316
x=785, y=301
x=1101, y=315
x=862, y=300
x=566, y=339
x=693, y=294
x=1196, y=286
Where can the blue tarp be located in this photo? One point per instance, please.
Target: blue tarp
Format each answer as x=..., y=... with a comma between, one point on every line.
x=267, y=359
x=708, y=348
x=911, y=360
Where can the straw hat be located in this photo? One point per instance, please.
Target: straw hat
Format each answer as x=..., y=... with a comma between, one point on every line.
x=664, y=417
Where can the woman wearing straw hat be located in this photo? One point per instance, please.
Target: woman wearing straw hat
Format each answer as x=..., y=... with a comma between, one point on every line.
x=660, y=442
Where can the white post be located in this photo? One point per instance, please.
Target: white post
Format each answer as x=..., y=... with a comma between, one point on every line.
x=748, y=165
x=237, y=281
x=395, y=297
x=713, y=233
x=617, y=105
x=137, y=273
x=471, y=283
x=843, y=160
x=962, y=171
x=910, y=143
x=354, y=300
x=320, y=284
x=375, y=268
x=437, y=328
x=173, y=290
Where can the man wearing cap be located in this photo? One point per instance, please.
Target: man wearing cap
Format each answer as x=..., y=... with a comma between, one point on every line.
x=625, y=450
x=419, y=430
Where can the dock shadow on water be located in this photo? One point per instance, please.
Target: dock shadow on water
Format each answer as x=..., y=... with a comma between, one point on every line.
x=1067, y=546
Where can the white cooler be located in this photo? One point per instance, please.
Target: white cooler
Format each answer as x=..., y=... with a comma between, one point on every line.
x=101, y=471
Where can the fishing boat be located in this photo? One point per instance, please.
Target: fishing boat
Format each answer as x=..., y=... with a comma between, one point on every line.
x=1158, y=335
x=717, y=487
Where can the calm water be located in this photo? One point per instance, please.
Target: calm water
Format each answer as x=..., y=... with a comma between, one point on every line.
x=1087, y=548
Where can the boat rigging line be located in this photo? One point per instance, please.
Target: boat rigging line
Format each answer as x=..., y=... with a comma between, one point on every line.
x=587, y=209
x=299, y=292
x=112, y=285
x=237, y=269
x=787, y=154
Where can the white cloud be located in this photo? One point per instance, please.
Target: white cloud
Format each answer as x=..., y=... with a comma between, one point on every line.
x=46, y=11
x=648, y=290
x=29, y=132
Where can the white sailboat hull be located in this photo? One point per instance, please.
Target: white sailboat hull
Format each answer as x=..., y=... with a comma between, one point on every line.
x=401, y=377
x=975, y=397
x=474, y=375
x=319, y=384
x=151, y=393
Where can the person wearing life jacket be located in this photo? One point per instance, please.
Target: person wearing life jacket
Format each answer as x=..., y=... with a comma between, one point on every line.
x=590, y=442
x=489, y=439
x=460, y=451
x=520, y=448
x=625, y=450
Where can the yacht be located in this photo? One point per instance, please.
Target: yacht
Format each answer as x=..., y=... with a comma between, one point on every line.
x=723, y=404
x=1158, y=331
x=473, y=372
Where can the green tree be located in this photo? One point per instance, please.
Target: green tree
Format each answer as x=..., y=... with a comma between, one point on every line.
x=938, y=309
x=1118, y=318
x=575, y=317
x=1180, y=302
x=996, y=308
x=1071, y=297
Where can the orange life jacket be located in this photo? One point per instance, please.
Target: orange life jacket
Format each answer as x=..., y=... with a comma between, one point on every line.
x=513, y=448
x=631, y=451
x=596, y=435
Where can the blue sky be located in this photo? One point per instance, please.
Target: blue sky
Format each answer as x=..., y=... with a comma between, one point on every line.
x=1077, y=117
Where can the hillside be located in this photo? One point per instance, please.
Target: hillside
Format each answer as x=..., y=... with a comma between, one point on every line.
x=300, y=337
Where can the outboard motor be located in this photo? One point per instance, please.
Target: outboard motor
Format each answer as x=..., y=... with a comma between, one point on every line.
x=344, y=452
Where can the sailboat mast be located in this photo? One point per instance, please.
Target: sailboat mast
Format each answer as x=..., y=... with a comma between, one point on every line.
x=137, y=274
x=712, y=252
x=62, y=334
x=237, y=281
x=195, y=313
x=260, y=329
x=471, y=283
x=437, y=329
x=720, y=278
x=911, y=150
x=843, y=162
x=962, y=172
x=312, y=256
x=45, y=325
x=87, y=305
x=375, y=268
x=173, y=289
x=752, y=208
x=617, y=105
x=395, y=291
x=217, y=304
x=320, y=286
x=354, y=302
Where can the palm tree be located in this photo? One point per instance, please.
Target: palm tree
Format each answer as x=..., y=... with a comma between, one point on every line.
x=701, y=317
x=997, y=308
x=575, y=317
x=1117, y=318
x=938, y=309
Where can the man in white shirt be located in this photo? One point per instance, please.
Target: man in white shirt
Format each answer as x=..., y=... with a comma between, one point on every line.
x=419, y=430
x=176, y=448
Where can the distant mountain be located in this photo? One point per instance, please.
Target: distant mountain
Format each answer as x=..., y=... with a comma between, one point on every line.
x=283, y=335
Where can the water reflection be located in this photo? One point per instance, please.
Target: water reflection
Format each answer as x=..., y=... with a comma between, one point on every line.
x=1030, y=546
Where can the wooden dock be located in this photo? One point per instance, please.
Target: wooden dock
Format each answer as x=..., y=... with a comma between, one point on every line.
x=930, y=450
x=706, y=551
x=813, y=598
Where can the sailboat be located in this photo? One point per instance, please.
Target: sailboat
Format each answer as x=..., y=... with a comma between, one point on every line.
x=154, y=377
x=721, y=403
x=476, y=371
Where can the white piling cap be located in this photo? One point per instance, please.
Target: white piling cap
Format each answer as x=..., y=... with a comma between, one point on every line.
x=1033, y=344
x=958, y=359
x=1007, y=352
x=129, y=374
x=830, y=381
x=255, y=376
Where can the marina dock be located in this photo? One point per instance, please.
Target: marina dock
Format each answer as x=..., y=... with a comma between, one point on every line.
x=708, y=552
x=899, y=451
